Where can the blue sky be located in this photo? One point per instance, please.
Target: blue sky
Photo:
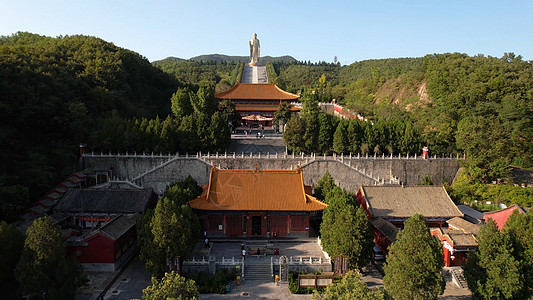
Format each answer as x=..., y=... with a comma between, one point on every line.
x=307, y=30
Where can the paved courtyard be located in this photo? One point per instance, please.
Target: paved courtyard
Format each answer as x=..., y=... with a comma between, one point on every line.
x=135, y=278
x=246, y=143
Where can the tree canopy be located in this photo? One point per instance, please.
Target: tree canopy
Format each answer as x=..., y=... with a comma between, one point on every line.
x=414, y=263
x=493, y=272
x=345, y=229
x=43, y=267
x=171, y=229
x=55, y=92
x=171, y=286
x=350, y=287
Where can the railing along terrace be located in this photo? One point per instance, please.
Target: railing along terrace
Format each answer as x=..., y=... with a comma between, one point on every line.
x=276, y=155
x=305, y=260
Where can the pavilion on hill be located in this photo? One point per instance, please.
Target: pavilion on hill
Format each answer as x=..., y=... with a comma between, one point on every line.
x=256, y=203
x=257, y=102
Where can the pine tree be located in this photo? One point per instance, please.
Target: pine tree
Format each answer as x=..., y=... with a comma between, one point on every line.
x=175, y=230
x=354, y=136
x=325, y=133
x=12, y=242
x=311, y=134
x=340, y=138
x=188, y=137
x=43, y=267
x=519, y=227
x=283, y=114
x=203, y=126
x=219, y=134
x=324, y=186
x=345, y=229
x=293, y=135
x=493, y=272
x=414, y=263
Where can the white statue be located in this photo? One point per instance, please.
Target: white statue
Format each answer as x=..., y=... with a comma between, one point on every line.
x=255, y=49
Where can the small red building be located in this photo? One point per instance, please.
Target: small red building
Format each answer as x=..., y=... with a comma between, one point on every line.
x=101, y=224
x=395, y=204
x=108, y=247
x=457, y=240
x=255, y=203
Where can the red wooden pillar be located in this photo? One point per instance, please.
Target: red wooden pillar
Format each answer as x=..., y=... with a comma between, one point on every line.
x=288, y=224
x=248, y=225
x=264, y=225
x=224, y=224
x=446, y=257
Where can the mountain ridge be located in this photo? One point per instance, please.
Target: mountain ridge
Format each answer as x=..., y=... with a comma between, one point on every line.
x=220, y=58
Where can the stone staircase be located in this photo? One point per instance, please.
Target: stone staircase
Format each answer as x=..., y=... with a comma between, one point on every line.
x=458, y=278
x=260, y=271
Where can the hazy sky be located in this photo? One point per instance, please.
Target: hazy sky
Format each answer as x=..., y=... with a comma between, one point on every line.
x=306, y=30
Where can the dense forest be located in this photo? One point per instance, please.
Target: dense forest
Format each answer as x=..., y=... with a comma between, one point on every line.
x=453, y=103
x=56, y=93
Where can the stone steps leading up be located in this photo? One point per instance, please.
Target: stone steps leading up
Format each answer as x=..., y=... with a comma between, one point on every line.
x=257, y=272
x=459, y=279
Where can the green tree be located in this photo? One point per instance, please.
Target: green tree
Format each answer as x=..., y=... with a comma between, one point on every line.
x=340, y=138
x=310, y=105
x=324, y=186
x=354, y=136
x=12, y=242
x=219, y=134
x=350, y=287
x=206, y=102
x=175, y=230
x=519, y=227
x=230, y=114
x=345, y=229
x=189, y=140
x=410, y=140
x=293, y=134
x=171, y=286
x=43, y=267
x=325, y=133
x=203, y=126
x=414, y=263
x=181, y=103
x=312, y=128
x=283, y=113
x=152, y=256
x=493, y=272
x=183, y=191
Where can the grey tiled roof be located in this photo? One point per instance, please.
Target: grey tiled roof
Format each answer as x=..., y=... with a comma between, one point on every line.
x=385, y=227
x=118, y=226
x=469, y=211
x=404, y=202
x=464, y=225
x=461, y=239
x=104, y=201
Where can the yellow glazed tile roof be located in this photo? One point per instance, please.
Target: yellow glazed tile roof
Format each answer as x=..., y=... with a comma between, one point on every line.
x=258, y=91
x=259, y=190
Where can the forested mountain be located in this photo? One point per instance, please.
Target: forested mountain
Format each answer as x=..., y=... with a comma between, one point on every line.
x=481, y=106
x=54, y=93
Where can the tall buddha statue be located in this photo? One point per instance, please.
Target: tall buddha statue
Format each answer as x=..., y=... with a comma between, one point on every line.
x=255, y=49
